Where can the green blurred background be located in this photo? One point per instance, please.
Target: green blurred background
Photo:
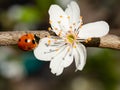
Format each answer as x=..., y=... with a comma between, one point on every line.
x=20, y=70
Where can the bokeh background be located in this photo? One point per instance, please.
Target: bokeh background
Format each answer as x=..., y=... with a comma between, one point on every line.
x=20, y=70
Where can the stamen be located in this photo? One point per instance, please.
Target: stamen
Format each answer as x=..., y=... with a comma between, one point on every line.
x=71, y=50
x=49, y=28
x=55, y=40
x=68, y=17
x=60, y=50
x=74, y=46
x=56, y=28
x=80, y=40
x=74, y=23
x=59, y=34
x=80, y=26
x=49, y=36
x=58, y=44
x=50, y=22
x=68, y=49
x=70, y=27
x=50, y=50
x=63, y=33
x=49, y=42
x=80, y=17
x=61, y=16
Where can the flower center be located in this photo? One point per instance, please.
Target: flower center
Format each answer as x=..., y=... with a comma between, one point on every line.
x=71, y=38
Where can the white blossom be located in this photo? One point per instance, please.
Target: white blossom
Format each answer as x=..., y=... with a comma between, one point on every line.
x=68, y=26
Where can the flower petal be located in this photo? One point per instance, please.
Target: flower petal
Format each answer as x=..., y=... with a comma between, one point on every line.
x=60, y=61
x=58, y=19
x=96, y=29
x=73, y=11
x=80, y=56
x=44, y=51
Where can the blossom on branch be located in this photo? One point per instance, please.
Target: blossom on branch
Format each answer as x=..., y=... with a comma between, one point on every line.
x=68, y=26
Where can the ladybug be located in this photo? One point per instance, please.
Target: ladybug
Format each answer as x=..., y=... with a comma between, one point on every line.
x=28, y=42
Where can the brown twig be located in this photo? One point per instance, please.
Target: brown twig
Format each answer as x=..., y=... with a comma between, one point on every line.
x=108, y=41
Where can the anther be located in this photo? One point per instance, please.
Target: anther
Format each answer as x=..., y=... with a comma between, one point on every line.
x=80, y=17
x=59, y=34
x=68, y=17
x=49, y=41
x=74, y=23
x=80, y=26
x=49, y=28
x=61, y=16
x=56, y=28
x=74, y=46
x=49, y=36
x=50, y=22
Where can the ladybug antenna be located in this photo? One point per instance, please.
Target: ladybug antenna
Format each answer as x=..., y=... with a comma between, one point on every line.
x=37, y=38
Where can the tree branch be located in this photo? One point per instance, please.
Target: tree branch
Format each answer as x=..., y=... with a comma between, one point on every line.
x=108, y=41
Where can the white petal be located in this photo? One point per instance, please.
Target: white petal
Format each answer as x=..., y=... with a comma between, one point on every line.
x=80, y=56
x=73, y=11
x=42, y=51
x=58, y=63
x=68, y=58
x=96, y=29
x=58, y=19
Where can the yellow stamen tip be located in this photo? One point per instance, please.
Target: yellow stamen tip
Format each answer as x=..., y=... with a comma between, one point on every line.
x=50, y=22
x=57, y=49
x=49, y=28
x=74, y=46
x=49, y=36
x=56, y=28
x=80, y=26
x=68, y=17
x=60, y=33
x=80, y=17
x=49, y=41
x=61, y=16
x=88, y=40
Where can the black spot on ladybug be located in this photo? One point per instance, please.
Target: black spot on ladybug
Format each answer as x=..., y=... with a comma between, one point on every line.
x=19, y=40
x=33, y=41
x=26, y=40
x=26, y=35
x=29, y=48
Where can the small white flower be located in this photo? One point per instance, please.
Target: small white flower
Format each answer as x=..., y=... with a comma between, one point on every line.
x=68, y=26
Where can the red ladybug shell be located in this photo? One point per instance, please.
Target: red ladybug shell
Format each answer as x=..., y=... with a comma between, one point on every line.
x=27, y=42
